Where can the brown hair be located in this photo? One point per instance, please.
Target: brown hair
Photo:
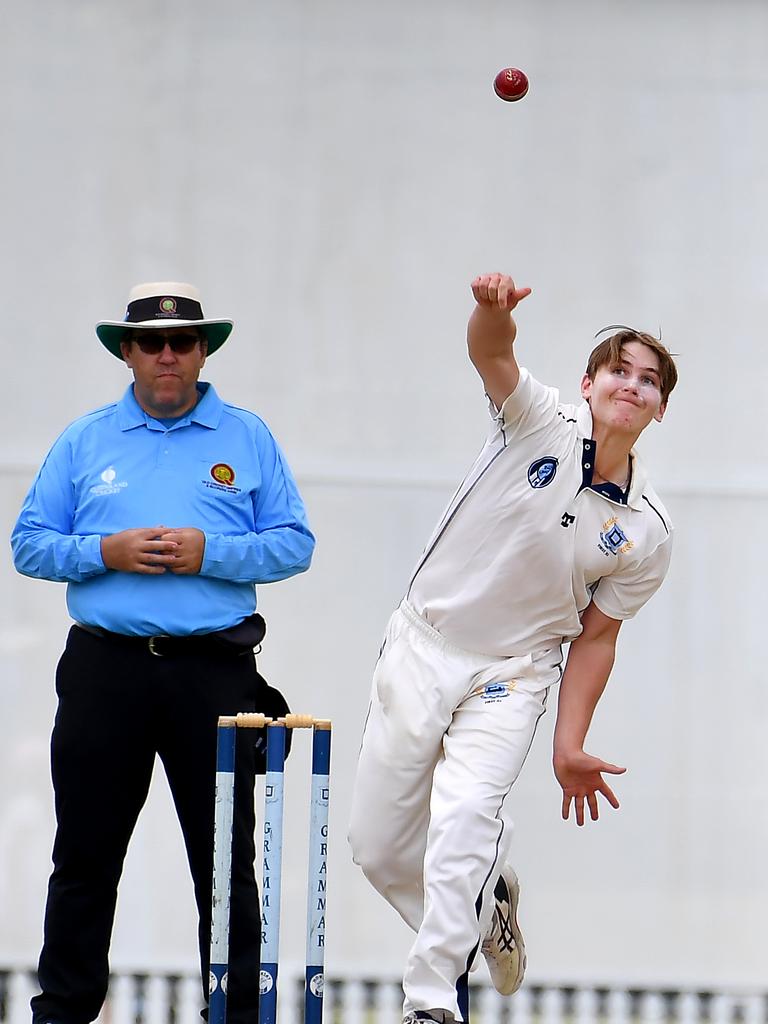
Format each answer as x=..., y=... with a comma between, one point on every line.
x=608, y=353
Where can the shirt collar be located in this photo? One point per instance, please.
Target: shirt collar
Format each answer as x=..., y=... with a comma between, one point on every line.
x=639, y=475
x=207, y=412
x=584, y=420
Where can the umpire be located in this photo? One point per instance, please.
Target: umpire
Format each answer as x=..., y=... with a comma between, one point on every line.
x=160, y=512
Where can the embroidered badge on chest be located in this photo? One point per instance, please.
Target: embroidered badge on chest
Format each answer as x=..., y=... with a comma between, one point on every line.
x=542, y=472
x=222, y=479
x=223, y=474
x=613, y=540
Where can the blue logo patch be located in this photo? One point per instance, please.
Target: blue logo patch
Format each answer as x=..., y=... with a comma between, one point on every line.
x=494, y=689
x=542, y=472
x=492, y=693
x=614, y=538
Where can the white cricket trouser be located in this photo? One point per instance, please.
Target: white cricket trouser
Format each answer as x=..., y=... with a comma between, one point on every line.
x=446, y=736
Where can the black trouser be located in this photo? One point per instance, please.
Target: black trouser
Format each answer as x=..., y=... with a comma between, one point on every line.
x=119, y=706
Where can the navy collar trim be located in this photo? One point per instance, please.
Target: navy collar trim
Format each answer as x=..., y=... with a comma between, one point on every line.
x=606, y=488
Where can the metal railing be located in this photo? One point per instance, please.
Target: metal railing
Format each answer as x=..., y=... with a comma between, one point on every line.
x=176, y=999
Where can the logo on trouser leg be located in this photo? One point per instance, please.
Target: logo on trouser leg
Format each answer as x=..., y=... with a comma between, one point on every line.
x=493, y=693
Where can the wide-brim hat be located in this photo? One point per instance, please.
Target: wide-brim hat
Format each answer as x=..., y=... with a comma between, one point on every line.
x=162, y=304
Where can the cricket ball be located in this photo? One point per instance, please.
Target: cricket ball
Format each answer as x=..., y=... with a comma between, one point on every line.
x=510, y=84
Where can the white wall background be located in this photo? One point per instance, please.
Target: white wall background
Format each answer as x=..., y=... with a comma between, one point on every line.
x=332, y=176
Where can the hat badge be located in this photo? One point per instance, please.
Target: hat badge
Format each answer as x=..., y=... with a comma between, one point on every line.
x=168, y=305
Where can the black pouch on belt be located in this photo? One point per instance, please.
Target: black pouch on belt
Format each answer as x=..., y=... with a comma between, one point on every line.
x=245, y=635
x=270, y=701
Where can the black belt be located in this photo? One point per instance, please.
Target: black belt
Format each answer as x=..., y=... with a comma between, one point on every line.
x=163, y=646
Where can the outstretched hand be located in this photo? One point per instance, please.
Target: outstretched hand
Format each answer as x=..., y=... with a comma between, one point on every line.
x=580, y=776
x=498, y=292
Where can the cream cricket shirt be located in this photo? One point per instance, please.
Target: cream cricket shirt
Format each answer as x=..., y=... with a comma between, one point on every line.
x=527, y=542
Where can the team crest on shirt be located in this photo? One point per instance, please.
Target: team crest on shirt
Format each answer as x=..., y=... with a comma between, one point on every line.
x=542, y=472
x=222, y=478
x=223, y=474
x=613, y=540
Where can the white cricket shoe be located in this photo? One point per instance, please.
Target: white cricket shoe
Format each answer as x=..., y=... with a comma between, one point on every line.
x=503, y=946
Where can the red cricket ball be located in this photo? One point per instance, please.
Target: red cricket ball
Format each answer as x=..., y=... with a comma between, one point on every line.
x=510, y=84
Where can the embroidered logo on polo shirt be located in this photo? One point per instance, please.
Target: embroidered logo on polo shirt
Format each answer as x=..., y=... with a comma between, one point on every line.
x=223, y=474
x=542, y=472
x=222, y=479
x=110, y=484
x=613, y=540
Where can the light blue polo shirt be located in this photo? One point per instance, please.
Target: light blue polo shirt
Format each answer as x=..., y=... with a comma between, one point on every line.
x=218, y=468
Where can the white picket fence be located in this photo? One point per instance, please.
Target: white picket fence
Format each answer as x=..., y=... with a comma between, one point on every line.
x=173, y=999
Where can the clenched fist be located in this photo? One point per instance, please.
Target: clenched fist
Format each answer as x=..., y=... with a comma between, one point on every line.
x=498, y=291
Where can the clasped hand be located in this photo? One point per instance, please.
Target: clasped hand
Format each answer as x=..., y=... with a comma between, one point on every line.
x=154, y=550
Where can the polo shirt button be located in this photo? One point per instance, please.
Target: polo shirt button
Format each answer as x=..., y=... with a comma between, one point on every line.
x=587, y=465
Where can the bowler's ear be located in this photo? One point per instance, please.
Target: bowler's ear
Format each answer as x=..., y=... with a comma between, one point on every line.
x=586, y=386
x=125, y=349
x=660, y=414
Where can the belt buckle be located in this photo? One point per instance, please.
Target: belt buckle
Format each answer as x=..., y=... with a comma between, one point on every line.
x=151, y=644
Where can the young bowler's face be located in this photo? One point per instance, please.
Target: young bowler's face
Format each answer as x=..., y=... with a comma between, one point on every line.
x=626, y=397
x=165, y=382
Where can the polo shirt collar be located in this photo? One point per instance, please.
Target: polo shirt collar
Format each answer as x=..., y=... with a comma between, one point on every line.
x=639, y=475
x=584, y=420
x=207, y=412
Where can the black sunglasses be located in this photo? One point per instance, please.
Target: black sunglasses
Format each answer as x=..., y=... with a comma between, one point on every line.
x=181, y=344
